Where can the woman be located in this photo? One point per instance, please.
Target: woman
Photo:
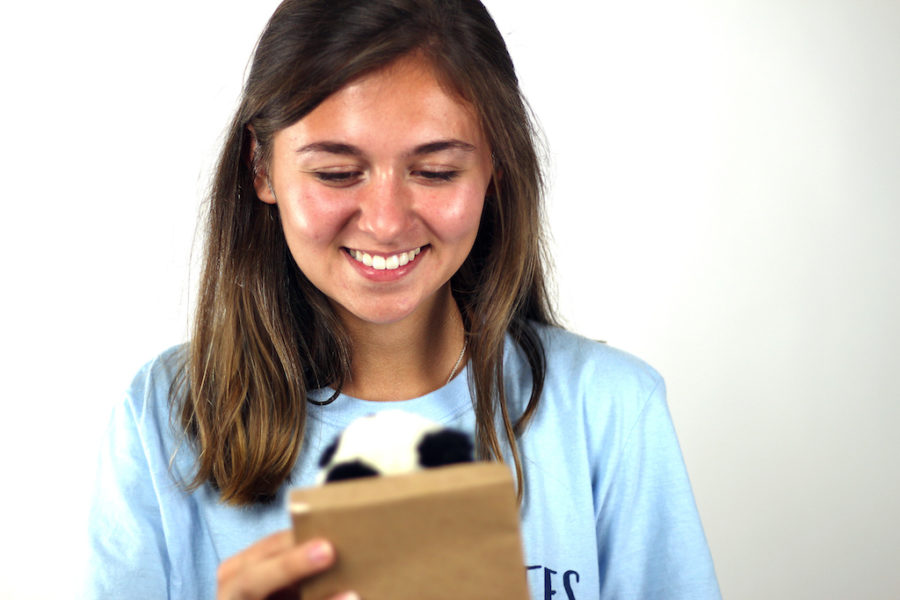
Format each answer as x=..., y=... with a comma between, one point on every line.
x=374, y=241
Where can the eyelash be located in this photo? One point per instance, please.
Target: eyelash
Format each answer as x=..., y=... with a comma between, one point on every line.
x=448, y=175
x=338, y=176
x=347, y=178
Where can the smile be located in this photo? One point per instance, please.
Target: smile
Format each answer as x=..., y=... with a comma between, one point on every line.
x=381, y=263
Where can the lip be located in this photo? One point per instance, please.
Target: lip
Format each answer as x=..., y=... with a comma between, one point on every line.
x=385, y=275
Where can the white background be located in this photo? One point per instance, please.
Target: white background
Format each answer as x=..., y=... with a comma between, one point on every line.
x=725, y=193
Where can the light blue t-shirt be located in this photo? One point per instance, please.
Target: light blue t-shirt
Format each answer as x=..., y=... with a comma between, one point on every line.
x=608, y=510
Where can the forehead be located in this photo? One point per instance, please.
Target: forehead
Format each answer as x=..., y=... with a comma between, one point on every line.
x=401, y=104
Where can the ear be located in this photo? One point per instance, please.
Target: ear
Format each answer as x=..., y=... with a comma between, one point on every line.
x=497, y=175
x=261, y=182
x=493, y=184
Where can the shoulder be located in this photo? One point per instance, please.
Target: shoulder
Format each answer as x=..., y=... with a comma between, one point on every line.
x=586, y=380
x=578, y=363
x=145, y=408
x=153, y=381
x=599, y=392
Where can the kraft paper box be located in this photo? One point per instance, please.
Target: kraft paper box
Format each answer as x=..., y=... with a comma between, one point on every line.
x=448, y=532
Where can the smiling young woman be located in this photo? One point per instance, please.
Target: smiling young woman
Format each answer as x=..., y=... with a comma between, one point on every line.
x=285, y=311
x=374, y=241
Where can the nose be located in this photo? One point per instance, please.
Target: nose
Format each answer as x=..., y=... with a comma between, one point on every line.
x=385, y=207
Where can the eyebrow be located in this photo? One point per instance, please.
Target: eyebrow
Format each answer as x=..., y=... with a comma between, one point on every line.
x=330, y=148
x=440, y=146
x=420, y=150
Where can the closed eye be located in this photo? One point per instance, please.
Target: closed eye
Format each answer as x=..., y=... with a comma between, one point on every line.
x=338, y=178
x=436, y=176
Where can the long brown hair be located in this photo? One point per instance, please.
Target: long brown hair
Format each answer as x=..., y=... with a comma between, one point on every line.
x=263, y=334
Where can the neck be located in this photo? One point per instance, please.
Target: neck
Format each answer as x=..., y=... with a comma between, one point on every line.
x=407, y=359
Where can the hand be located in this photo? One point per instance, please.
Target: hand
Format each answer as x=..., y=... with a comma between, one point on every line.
x=271, y=565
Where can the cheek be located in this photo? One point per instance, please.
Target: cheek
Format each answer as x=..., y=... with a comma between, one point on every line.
x=458, y=216
x=313, y=217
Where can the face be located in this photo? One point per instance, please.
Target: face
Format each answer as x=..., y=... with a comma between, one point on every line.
x=380, y=191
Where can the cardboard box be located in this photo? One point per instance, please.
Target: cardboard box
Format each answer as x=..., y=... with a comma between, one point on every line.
x=448, y=532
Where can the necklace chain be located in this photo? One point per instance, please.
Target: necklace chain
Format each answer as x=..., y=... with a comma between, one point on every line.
x=458, y=360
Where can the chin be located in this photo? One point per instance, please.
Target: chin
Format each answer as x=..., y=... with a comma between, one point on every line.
x=385, y=314
x=390, y=308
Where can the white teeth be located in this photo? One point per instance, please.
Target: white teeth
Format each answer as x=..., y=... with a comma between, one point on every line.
x=385, y=262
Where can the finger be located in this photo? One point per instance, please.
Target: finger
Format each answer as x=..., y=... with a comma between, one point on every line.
x=346, y=596
x=258, y=580
x=264, y=548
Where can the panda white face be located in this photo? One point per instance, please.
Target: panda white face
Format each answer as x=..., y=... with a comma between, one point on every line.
x=390, y=443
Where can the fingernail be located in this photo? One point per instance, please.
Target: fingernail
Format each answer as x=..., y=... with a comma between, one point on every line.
x=348, y=596
x=320, y=552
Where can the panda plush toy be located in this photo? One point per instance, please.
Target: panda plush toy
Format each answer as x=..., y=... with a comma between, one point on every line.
x=389, y=443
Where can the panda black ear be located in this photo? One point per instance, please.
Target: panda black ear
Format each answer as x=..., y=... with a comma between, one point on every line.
x=350, y=470
x=328, y=453
x=445, y=447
